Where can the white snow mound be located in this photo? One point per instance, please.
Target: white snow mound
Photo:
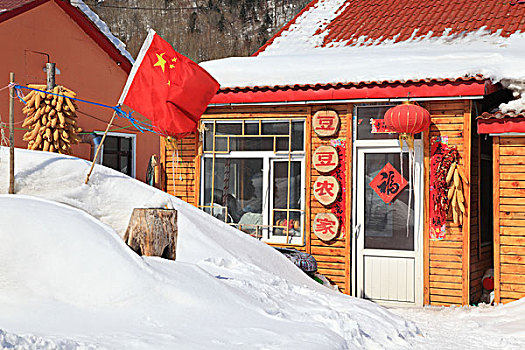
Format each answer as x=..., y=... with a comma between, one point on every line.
x=67, y=278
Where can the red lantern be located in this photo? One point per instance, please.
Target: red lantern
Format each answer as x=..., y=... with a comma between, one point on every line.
x=407, y=119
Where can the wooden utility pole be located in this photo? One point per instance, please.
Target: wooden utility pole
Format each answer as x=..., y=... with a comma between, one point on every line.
x=50, y=70
x=100, y=147
x=11, y=134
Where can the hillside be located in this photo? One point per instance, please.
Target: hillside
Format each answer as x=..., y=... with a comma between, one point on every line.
x=200, y=29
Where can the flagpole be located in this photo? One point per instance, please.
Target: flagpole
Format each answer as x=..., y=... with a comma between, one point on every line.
x=138, y=61
x=100, y=147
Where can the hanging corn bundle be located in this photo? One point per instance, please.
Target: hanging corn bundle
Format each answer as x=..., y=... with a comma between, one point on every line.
x=51, y=118
x=455, y=179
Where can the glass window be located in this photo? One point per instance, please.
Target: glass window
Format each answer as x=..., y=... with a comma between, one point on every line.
x=370, y=123
x=267, y=136
x=284, y=187
x=255, y=191
x=386, y=224
x=486, y=198
x=236, y=187
x=251, y=128
x=117, y=153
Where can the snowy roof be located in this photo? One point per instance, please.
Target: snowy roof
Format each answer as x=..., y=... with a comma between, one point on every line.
x=338, y=42
x=448, y=57
x=329, y=23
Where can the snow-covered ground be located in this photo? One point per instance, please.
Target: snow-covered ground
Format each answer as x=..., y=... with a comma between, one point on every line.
x=67, y=281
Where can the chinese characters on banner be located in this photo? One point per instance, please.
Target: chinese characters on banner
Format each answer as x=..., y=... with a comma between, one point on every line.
x=326, y=226
x=388, y=183
x=325, y=159
x=379, y=127
x=325, y=123
x=438, y=219
x=326, y=189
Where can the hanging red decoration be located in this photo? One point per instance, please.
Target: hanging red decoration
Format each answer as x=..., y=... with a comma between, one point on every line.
x=407, y=119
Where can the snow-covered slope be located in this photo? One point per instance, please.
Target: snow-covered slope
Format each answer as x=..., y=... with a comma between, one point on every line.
x=67, y=280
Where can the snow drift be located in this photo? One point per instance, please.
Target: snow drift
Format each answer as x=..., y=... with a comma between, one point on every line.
x=67, y=277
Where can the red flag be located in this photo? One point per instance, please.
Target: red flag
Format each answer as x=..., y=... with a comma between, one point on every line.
x=168, y=88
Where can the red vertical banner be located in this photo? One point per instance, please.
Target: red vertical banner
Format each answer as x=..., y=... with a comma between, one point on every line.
x=339, y=207
x=438, y=217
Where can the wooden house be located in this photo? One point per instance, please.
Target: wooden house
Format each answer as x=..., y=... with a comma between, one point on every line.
x=265, y=160
x=508, y=148
x=89, y=60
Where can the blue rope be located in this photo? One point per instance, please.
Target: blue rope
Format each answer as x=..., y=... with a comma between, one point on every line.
x=139, y=125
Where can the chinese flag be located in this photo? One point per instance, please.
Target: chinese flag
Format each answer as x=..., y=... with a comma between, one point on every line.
x=168, y=88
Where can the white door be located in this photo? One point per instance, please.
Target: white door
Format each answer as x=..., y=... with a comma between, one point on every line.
x=388, y=231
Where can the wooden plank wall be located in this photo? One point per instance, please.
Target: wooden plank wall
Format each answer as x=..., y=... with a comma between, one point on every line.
x=180, y=167
x=481, y=257
x=334, y=257
x=509, y=218
x=447, y=259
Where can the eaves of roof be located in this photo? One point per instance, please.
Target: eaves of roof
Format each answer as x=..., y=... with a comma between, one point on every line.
x=500, y=115
x=425, y=88
x=345, y=85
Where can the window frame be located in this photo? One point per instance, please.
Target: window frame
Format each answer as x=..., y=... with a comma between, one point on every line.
x=133, y=139
x=268, y=158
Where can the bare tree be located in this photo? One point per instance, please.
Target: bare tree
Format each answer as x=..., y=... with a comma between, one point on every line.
x=200, y=29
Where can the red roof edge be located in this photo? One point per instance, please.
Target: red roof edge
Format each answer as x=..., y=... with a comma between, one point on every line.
x=501, y=126
x=270, y=41
x=4, y=16
x=457, y=88
x=94, y=33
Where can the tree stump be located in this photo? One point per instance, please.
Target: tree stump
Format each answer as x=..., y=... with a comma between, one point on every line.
x=153, y=232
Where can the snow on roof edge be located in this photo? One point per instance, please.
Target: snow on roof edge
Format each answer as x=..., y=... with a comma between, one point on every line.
x=103, y=27
x=474, y=54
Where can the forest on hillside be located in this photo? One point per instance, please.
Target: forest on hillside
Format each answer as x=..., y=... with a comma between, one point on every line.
x=200, y=29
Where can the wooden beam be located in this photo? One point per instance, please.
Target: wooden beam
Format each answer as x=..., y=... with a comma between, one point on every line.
x=348, y=199
x=496, y=232
x=466, y=216
x=426, y=218
x=163, y=161
x=307, y=180
x=197, y=162
x=479, y=197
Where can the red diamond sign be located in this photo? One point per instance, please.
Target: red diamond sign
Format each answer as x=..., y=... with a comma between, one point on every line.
x=388, y=183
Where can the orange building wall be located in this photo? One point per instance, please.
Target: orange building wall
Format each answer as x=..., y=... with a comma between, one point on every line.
x=452, y=265
x=84, y=68
x=182, y=179
x=447, y=260
x=509, y=218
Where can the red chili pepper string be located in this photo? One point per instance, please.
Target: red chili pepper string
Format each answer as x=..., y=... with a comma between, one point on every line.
x=440, y=196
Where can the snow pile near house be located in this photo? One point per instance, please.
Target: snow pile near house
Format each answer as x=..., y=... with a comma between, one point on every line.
x=67, y=278
x=484, y=327
x=103, y=28
x=12, y=341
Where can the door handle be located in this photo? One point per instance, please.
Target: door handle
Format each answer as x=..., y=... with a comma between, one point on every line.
x=357, y=231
